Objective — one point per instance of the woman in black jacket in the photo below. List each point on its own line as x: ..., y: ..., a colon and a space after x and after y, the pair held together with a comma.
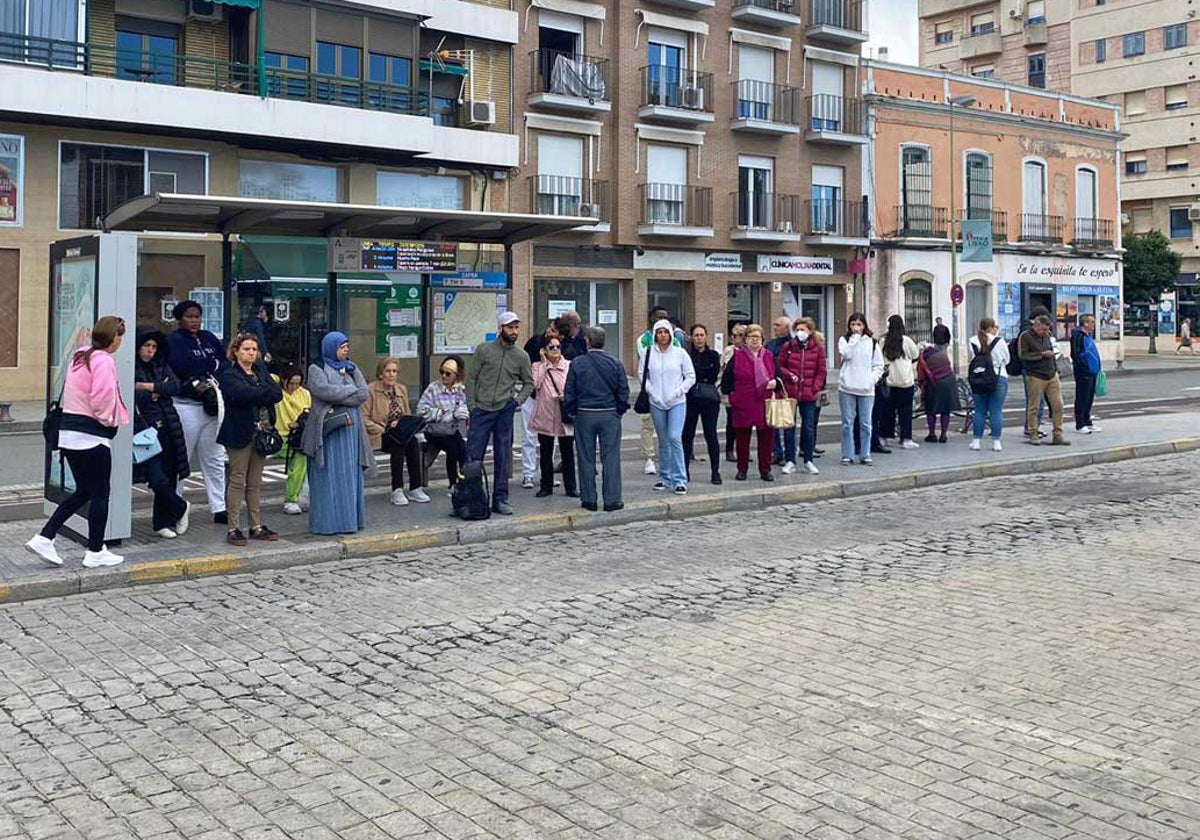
x: 154, y: 386
x: 250, y: 396
x: 703, y: 401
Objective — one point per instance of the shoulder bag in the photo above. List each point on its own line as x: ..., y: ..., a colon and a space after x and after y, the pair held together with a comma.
x: 267, y: 440
x: 642, y: 404
x: 338, y: 417
x: 568, y: 425
x: 781, y: 411
x: 146, y: 445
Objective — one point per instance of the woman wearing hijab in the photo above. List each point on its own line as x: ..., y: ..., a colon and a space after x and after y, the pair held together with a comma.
x: 749, y: 379
x: 154, y: 387
x: 336, y: 440
x: 197, y: 357
x: 669, y: 376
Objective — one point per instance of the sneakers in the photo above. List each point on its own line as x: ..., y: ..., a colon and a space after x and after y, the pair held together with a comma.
x: 262, y: 532
x: 103, y: 557
x: 44, y: 548
x: 649, y: 470
x: 789, y: 468
x: 659, y: 485
x: 867, y: 462
x: 847, y: 462
x: 236, y: 537
x: 400, y: 500
x: 419, y: 495
x: 909, y: 444
x: 811, y: 468
x: 181, y: 527
x: 166, y: 533
x: 1095, y: 428
x: 527, y: 482
x: 1086, y: 430
x: 975, y: 445
x: 292, y: 509
x: 680, y: 490
x: 996, y: 447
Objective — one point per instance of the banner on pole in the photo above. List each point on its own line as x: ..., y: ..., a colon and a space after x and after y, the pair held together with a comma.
x: 977, y: 240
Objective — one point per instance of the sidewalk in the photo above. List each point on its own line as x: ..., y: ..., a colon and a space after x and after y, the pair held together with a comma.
x: 203, y: 550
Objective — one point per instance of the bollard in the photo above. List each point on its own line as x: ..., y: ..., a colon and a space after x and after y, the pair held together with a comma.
x: 6, y: 412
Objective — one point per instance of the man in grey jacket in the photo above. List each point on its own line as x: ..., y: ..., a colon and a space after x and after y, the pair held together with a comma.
x: 499, y: 380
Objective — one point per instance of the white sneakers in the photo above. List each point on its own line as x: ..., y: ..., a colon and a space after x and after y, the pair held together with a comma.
x: 649, y: 470
x: 527, y: 482
x: 419, y: 495
x: 398, y: 497
x: 909, y: 444
x: 45, y: 549
x: 181, y: 527
x: 996, y: 447
x: 166, y: 533
x: 292, y: 509
x: 789, y: 468
x: 1094, y: 428
x: 103, y: 557
x: 975, y: 444
x: 811, y: 468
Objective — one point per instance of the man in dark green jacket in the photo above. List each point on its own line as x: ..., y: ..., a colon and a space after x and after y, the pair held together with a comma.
x: 500, y: 379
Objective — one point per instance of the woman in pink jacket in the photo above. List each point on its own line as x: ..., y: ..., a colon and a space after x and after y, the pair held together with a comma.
x: 549, y: 383
x: 92, y: 413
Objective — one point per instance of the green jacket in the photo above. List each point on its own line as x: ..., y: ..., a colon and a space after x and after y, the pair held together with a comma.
x: 498, y: 373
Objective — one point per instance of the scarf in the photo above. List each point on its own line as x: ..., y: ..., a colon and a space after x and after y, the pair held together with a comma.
x: 329, y: 347
x: 761, y: 377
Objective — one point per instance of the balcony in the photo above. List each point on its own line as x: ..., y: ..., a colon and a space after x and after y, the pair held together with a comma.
x: 836, y: 121
x: 559, y: 195
x: 765, y: 108
x: 1036, y: 33
x: 771, y: 13
x: 999, y: 219
x: 675, y: 210
x: 921, y: 220
x: 1040, y: 228
x: 838, y: 22
x: 565, y: 82
x: 672, y: 94
x: 1093, y: 234
x: 983, y: 42
x: 831, y: 222
x: 766, y: 217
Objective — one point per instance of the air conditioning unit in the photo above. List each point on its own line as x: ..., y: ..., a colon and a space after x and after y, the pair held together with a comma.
x: 785, y: 227
x: 591, y: 211
x: 692, y: 97
x: 203, y: 10
x: 1194, y: 213
x: 481, y: 112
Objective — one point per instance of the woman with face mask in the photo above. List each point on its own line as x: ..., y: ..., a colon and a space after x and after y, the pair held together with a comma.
x: 989, y: 408
x: 803, y: 368
x: 862, y: 366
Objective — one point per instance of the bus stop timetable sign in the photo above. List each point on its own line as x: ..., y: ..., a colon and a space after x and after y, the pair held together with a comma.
x: 366, y: 255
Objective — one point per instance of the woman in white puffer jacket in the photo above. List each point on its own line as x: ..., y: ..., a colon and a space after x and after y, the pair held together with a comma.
x: 669, y: 375
x: 862, y: 367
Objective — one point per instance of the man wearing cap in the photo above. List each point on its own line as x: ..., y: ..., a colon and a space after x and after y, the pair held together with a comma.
x: 499, y: 380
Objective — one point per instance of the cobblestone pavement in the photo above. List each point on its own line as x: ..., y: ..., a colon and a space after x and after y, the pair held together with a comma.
x: 1013, y: 658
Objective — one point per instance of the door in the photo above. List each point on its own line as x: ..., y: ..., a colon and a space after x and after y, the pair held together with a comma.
x: 812, y: 302
x: 756, y: 75
x: 560, y: 174
x: 666, y: 179
x: 667, y: 54
x: 828, y: 82
x: 1034, y: 223
x: 559, y: 37
x: 1085, y: 205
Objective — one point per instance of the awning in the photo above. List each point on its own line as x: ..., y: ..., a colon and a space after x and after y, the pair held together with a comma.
x: 268, y: 217
x: 444, y: 69
x: 672, y: 22
x: 245, y: 4
x: 595, y: 11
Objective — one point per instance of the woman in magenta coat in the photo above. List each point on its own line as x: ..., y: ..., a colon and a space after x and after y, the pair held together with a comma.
x: 749, y: 379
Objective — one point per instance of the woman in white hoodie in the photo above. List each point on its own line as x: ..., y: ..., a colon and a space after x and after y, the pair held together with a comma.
x: 862, y: 366
x: 669, y: 376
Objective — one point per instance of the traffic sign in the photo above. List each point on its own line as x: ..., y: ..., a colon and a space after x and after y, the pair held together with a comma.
x: 956, y: 294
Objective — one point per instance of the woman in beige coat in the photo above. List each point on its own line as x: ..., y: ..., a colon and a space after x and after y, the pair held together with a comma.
x: 387, y: 402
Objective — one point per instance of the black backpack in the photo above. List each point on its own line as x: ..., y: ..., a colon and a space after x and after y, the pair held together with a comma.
x: 981, y: 373
x: 1015, y: 366
x: 470, y: 498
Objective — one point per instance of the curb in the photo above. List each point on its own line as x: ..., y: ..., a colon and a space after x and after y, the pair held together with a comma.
x: 76, y: 582
x: 20, y: 427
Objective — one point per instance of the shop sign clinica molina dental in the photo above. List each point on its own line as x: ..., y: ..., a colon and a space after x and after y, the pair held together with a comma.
x: 785, y: 264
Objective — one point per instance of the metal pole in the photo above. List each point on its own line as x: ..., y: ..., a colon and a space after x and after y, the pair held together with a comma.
x: 331, y: 318
x: 227, y: 285
x: 953, y: 243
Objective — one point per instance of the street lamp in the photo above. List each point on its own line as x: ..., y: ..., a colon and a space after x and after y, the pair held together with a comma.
x: 962, y: 102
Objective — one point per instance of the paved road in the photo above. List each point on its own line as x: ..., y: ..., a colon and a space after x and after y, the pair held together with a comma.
x: 1019, y: 664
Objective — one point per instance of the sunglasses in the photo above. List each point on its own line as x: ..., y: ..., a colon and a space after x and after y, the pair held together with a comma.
x: 448, y: 373
x: 553, y: 346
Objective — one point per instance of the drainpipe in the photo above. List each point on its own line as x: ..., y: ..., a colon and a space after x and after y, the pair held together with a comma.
x: 260, y: 51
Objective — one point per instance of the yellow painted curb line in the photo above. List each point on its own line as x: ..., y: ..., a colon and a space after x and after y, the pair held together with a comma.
x: 402, y: 541
x: 5, y: 591
x: 157, y: 570
x: 218, y: 564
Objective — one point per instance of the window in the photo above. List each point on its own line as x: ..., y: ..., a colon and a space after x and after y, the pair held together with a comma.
x: 1177, y: 158
x: 1034, y: 222
x: 756, y: 75
x: 560, y: 174
x: 1036, y: 70
x: 146, y: 50
x: 339, y: 61
x: 287, y: 75
x: 1101, y: 51
x: 983, y: 71
x: 1135, y: 102
x: 943, y: 33
x: 1136, y: 166
x: 391, y: 78
x: 1133, y: 44
x: 755, y: 209
x: 47, y: 32
x: 94, y: 180
x: 288, y: 181
x: 828, y: 82
x: 412, y: 189
x: 827, y: 199
x: 918, y: 308
x: 667, y: 61
x: 1181, y: 227
x: 916, y: 191
x: 1087, y: 200
x: 1175, y: 36
x: 666, y: 184
x: 979, y: 186
x: 1175, y: 97
x: 1035, y: 12
x: 983, y: 23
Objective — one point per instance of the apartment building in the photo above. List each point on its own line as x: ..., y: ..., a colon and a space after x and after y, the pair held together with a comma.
x: 1038, y: 168
x: 381, y: 102
x: 1136, y: 54
x: 719, y: 145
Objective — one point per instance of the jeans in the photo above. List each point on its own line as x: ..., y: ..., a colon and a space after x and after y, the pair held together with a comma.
x: 92, y: 469
x: 604, y: 426
x: 668, y: 425
x: 990, y: 408
x: 808, y: 431
x: 398, y: 457
x: 566, y: 451
x: 1085, y: 395
x: 706, y: 414
x: 496, y: 426
x: 852, y: 405
x: 245, y: 482
x: 1051, y: 391
x: 168, y: 505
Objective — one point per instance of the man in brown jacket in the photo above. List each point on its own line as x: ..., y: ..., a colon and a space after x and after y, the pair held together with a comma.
x: 1037, y: 353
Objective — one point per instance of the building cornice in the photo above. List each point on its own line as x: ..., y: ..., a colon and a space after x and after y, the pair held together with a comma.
x: 943, y: 109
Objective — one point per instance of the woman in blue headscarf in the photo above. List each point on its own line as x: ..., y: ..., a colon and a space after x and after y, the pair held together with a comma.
x: 335, y: 440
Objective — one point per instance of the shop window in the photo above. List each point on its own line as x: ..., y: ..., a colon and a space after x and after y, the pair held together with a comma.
x: 94, y: 180
x: 288, y: 181
x: 412, y: 189
x: 918, y: 309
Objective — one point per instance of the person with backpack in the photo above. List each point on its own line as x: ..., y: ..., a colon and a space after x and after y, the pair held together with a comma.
x: 1085, y: 365
x: 1041, y: 378
x: 862, y: 368
x: 987, y: 374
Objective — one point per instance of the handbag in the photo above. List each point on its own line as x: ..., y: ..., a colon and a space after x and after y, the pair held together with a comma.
x: 1101, y: 384
x: 146, y: 445
x: 781, y: 412
x: 267, y: 440
x: 642, y: 404
x: 295, y: 439
x: 441, y: 429
x: 398, y: 436
x: 706, y: 392
x: 336, y: 418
